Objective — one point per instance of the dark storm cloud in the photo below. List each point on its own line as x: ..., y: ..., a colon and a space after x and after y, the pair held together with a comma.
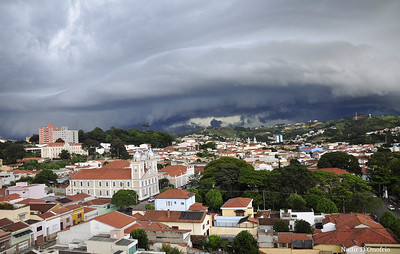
x: 94, y: 63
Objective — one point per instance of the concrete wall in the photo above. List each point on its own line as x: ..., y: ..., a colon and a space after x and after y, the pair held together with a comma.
x: 231, y: 231
x: 175, y: 204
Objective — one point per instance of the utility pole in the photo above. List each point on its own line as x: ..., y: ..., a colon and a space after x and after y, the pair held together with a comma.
x: 264, y: 198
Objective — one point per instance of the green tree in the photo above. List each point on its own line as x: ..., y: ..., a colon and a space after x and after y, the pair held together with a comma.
x: 198, y: 197
x: 325, y: 205
x: 313, y: 196
x: 13, y: 152
x: 141, y: 236
x: 364, y: 202
x: 118, y: 149
x: 65, y: 155
x: 214, y: 199
x: 227, y: 179
x: 281, y: 226
x: 34, y: 139
x: 46, y: 176
x: 149, y: 207
x: 295, y: 201
x: 244, y: 243
x: 340, y: 160
x: 302, y: 226
x: 214, y: 242
x: 124, y: 198
x: 387, y: 219
x: 162, y: 183
x: 169, y: 250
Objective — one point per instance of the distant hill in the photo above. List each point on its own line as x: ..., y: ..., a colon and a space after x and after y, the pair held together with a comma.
x: 350, y: 129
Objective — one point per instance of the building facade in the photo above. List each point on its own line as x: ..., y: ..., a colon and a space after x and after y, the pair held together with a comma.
x: 53, y: 150
x: 51, y: 133
x: 139, y: 174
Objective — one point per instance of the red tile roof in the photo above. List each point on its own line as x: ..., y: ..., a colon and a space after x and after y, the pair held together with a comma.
x: 5, y: 221
x: 88, y: 209
x: 114, y: 170
x: 175, y: 194
x: 65, y: 209
x: 46, y: 215
x: 145, y: 225
x: 31, y: 201
x: 115, y: 219
x: 97, y: 201
x: 10, y: 197
x: 237, y: 202
x: 15, y: 226
x: 43, y: 208
x: 173, y: 170
x: 356, y: 236
x: 351, y: 220
x: 198, y: 207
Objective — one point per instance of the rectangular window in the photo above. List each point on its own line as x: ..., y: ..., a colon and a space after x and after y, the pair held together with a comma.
x: 88, y: 192
x: 81, y: 183
x: 39, y: 229
x: 100, y: 193
x: 121, y: 184
x: 74, y: 183
x: 88, y: 183
x: 67, y: 220
x: 99, y: 183
x: 21, y: 216
x: 113, y: 184
x: 106, y: 184
x: 127, y: 184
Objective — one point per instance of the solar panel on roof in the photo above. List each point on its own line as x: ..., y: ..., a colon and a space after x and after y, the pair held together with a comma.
x: 64, y: 200
x: 191, y: 216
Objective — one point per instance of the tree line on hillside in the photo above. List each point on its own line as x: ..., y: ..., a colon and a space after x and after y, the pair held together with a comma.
x: 293, y: 186
x: 119, y: 137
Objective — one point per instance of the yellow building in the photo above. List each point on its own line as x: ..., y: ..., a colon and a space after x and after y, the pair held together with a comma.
x: 238, y: 207
x: 17, y: 214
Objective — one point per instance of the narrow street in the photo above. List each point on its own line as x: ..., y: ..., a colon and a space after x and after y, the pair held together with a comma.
x: 385, y: 209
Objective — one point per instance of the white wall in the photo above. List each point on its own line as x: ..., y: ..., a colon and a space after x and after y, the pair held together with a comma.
x: 176, y: 204
x: 82, y: 232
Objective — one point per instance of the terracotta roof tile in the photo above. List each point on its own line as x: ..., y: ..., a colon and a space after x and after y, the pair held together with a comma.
x: 43, y: 208
x: 88, y: 209
x: 97, y: 201
x: 145, y: 225
x: 356, y: 236
x: 10, y: 197
x: 15, y: 226
x: 114, y: 170
x: 31, y: 201
x: 175, y: 194
x: 5, y: 221
x: 65, y: 209
x: 198, y: 207
x: 116, y: 219
x: 46, y: 215
x: 237, y: 202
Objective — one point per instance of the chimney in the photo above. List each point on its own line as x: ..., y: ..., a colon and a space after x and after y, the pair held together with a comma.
x: 168, y: 213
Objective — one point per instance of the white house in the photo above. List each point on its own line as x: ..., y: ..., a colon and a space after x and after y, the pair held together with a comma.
x: 175, y: 200
x: 178, y: 175
x: 53, y: 150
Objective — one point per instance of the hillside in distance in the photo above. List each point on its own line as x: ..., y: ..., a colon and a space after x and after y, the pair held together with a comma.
x: 362, y: 129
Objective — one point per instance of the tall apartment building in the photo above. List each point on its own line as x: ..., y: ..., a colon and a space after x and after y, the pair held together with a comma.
x: 50, y: 134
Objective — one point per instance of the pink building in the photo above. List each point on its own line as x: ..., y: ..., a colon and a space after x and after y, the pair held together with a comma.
x: 28, y: 191
x: 46, y: 134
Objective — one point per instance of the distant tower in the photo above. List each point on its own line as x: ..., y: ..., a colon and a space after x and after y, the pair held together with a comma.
x: 255, y: 140
x: 356, y: 116
x: 279, y: 138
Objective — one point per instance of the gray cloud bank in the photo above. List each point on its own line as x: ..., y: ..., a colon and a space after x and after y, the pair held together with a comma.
x: 95, y: 63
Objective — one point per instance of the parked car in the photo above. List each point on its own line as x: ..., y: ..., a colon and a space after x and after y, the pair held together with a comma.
x: 151, y: 199
x: 374, y: 216
x: 391, y: 207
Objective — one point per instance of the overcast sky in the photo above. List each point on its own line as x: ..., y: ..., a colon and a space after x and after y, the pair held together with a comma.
x: 84, y: 64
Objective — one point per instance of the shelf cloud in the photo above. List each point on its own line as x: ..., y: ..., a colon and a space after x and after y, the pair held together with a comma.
x: 185, y: 64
